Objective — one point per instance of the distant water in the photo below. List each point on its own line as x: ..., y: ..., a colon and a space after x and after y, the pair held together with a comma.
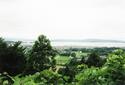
x: 82, y: 44
x: 89, y: 44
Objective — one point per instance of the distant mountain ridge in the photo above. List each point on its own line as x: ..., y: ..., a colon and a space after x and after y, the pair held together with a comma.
x: 69, y: 40
x: 89, y: 40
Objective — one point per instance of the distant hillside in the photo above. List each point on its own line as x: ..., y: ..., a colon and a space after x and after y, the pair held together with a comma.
x: 74, y: 43
x: 68, y: 40
x: 89, y: 40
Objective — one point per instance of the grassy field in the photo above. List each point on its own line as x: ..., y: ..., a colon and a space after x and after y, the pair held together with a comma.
x: 79, y: 54
x: 62, y: 60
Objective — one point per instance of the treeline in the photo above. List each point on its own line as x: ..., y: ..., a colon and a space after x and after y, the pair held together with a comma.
x: 100, y: 50
x: 37, y: 66
x: 15, y: 59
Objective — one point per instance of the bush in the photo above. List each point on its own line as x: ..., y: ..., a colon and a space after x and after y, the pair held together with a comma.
x: 111, y: 73
x: 45, y: 77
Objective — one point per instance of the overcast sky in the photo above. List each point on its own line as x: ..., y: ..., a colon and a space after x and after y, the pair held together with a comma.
x: 63, y: 19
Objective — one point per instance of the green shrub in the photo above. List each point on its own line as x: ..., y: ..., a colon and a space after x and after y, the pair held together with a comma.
x: 111, y: 73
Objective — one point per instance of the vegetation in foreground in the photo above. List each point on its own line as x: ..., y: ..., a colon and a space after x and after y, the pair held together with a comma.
x: 44, y: 65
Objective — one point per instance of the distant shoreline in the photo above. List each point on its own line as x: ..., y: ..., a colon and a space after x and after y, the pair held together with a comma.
x: 87, y: 43
x: 69, y: 40
x: 67, y: 47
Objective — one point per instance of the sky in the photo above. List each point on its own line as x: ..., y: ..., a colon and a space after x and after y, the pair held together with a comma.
x: 63, y: 19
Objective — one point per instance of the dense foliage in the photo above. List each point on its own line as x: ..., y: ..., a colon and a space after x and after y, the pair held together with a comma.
x: 12, y: 57
x: 41, y: 65
x: 41, y: 54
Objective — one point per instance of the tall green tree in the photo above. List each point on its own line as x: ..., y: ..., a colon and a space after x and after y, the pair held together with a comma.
x: 41, y: 54
x: 94, y: 60
x: 15, y: 60
x: 12, y: 57
x: 3, y: 50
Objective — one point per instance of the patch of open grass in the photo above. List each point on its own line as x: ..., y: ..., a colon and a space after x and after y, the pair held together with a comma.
x: 62, y: 60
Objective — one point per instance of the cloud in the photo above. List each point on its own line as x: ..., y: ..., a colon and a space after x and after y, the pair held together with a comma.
x: 63, y: 18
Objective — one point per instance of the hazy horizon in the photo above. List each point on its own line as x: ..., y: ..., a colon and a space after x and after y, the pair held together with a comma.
x: 63, y: 19
x: 67, y: 40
